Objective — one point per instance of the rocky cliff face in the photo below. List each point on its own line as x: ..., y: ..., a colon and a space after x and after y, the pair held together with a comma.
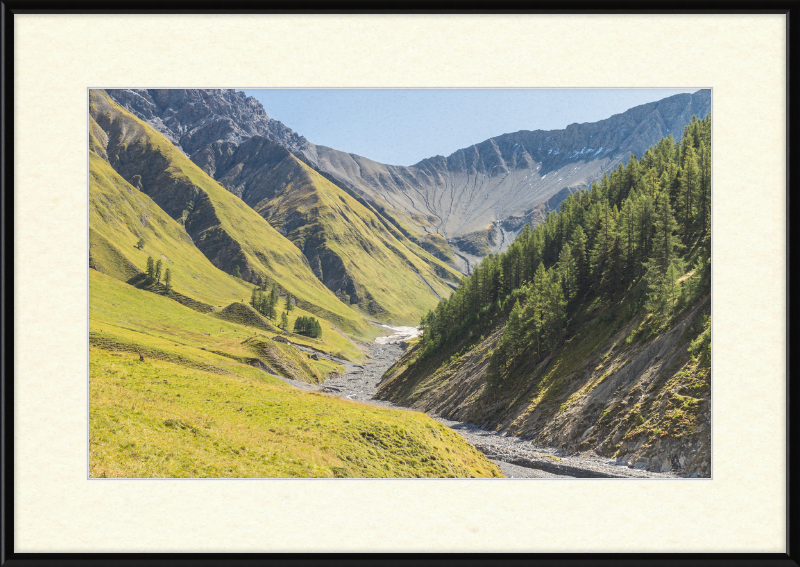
x: 193, y: 118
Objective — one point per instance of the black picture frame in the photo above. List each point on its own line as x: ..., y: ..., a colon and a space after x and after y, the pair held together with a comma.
x: 9, y: 557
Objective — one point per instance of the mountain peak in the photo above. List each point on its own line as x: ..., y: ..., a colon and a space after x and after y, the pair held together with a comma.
x: 194, y: 118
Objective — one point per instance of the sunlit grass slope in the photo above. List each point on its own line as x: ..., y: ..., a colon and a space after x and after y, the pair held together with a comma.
x: 160, y: 419
x: 119, y: 313
x: 120, y: 214
x: 225, y: 229
x: 200, y: 406
x: 402, y: 279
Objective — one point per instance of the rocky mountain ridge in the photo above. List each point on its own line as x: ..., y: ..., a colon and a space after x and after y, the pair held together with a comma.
x: 499, y: 184
x: 193, y: 118
x: 509, y: 175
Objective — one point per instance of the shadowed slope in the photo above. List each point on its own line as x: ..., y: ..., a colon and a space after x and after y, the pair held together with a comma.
x: 351, y: 248
x: 228, y: 232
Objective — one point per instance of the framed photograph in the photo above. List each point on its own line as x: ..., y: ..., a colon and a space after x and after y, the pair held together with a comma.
x: 396, y: 283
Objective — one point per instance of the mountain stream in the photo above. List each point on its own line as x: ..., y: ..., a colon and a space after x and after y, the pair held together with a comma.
x: 516, y: 457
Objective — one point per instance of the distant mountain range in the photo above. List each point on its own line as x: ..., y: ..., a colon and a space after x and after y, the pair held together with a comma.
x: 459, y: 208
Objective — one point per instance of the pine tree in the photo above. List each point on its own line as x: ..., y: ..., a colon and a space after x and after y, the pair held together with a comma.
x: 263, y: 304
x: 535, y: 316
x: 689, y: 186
x: 556, y: 311
x: 664, y: 289
x: 579, y: 246
x: 140, y: 243
x: 168, y: 279
x: 254, y: 298
x: 237, y: 272
x: 664, y: 239
x: 151, y: 268
x: 613, y: 274
x: 568, y: 271
x: 512, y: 335
x: 158, y: 270
x: 704, y: 194
x: 629, y: 237
x: 603, y: 243
x: 273, y: 302
x: 289, y: 305
x: 284, y: 321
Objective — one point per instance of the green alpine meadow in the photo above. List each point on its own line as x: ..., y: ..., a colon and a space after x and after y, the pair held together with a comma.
x: 536, y: 305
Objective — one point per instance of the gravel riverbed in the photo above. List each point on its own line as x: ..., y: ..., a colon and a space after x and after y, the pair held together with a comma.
x: 516, y: 457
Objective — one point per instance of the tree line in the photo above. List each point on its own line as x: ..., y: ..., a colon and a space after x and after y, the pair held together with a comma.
x: 154, y: 271
x: 267, y: 305
x: 635, y: 229
x: 308, y: 326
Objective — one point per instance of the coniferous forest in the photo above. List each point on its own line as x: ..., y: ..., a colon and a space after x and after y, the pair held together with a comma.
x: 643, y: 232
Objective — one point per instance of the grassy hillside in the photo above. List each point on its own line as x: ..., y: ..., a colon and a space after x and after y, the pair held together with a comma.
x: 352, y: 248
x: 160, y: 419
x: 352, y: 251
x: 185, y: 382
x: 223, y: 228
x: 201, y: 404
x: 120, y: 214
x: 122, y: 313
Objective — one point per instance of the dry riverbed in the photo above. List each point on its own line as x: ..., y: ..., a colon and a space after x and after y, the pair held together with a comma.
x: 516, y: 457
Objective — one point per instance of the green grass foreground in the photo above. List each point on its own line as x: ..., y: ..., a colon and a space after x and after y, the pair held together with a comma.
x: 158, y: 419
x: 198, y: 407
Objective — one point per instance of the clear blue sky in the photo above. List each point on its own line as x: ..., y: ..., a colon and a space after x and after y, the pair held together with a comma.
x: 404, y: 126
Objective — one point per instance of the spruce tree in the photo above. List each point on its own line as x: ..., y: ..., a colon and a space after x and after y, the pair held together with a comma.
x: 556, y: 311
x: 289, y: 305
x: 151, y: 268
x: 168, y: 279
x: 579, y: 245
x: 603, y: 242
x: 512, y: 335
x: 237, y: 272
x: 614, y: 272
x: 568, y: 271
x: 664, y: 239
x: 158, y: 270
x: 273, y: 302
x: 689, y: 186
x: 284, y: 321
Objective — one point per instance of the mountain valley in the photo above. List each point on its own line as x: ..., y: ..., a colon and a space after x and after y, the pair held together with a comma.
x: 254, y: 297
